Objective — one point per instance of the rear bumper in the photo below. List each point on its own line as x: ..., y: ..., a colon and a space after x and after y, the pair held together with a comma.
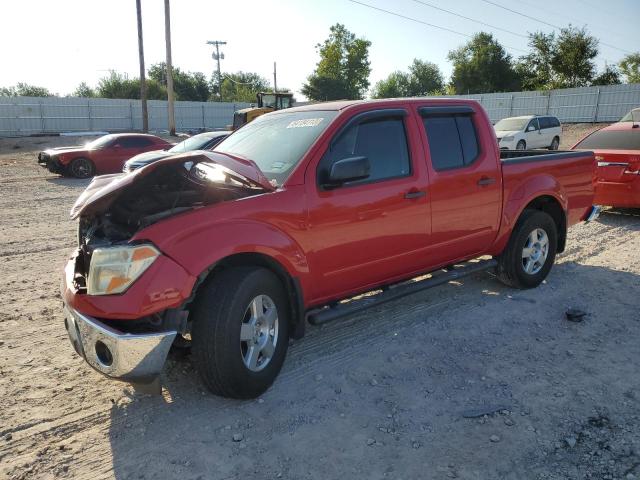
x: 593, y: 213
x: 136, y: 358
x: 618, y: 194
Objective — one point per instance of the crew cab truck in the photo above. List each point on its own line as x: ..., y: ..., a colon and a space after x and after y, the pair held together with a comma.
x: 233, y: 250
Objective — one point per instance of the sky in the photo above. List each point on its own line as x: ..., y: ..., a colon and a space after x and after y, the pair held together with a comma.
x: 58, y: 44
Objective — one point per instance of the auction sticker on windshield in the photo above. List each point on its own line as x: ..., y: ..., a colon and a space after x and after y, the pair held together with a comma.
x: 305, y: 122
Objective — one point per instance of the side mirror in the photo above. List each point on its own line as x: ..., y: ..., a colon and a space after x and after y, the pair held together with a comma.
x: 117, y: 145
x: 348, y: 170
x: 530, y: 128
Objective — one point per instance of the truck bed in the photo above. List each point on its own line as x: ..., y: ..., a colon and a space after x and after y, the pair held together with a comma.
x: 525, y: 156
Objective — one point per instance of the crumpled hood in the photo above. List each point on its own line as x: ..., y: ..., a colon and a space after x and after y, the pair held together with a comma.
x: 104, y: 189
x: 506, y: 133
x: 148, y: 157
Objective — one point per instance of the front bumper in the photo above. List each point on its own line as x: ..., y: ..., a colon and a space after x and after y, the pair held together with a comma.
x: 52, y: 164
x: 136, y: 358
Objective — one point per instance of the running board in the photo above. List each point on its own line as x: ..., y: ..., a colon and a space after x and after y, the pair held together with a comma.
x: 328, y: 314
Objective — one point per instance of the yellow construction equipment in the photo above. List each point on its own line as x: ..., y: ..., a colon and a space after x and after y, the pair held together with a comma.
x: 267, y: 102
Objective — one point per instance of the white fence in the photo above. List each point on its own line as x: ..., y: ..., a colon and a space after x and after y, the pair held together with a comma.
x: 570, y: 105
x: 20, y: 116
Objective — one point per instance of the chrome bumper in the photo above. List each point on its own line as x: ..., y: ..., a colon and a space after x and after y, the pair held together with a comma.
x: 594, y: 213
x: 136, y: 358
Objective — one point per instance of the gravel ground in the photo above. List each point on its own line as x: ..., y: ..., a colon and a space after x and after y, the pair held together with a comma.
x: 470, y: 380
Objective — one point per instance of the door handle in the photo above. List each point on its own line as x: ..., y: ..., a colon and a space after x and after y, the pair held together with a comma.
x: 414, y: 194
x: 484, y: 181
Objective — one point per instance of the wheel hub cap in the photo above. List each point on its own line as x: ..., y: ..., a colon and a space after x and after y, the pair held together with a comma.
x: 535, y: 251
x: 259, y: 333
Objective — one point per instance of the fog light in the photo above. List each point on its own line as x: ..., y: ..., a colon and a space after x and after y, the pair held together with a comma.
x: 104, y: 354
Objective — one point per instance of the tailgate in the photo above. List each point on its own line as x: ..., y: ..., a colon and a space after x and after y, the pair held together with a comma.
x: 617, y: 166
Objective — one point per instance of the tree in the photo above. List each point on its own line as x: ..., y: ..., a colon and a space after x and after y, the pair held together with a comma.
x: 240, y: 87
x: 559, y: 61
x: 116, y: 85
x: 25, y: 90
x: 394, y: 86
x: 630, y: 67
x: 188, y: 86
x: 610, y: 76
x: 84, y: 90
x: 344, y: 67
x: 424, y: 78
x: 482, y: 66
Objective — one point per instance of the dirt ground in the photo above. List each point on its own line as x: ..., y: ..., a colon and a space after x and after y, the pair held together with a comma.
x: 470, y: 380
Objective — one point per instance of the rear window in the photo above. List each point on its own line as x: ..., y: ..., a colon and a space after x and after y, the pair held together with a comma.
x: 452, y: 141
x: 612, y: 140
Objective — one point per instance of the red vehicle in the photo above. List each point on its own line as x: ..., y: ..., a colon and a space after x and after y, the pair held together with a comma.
x: 235, y: 249
x: 617, y: 151
x: 106, y: 154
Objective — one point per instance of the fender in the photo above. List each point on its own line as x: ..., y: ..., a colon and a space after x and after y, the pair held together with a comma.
x: 518, y: 197
x: 205, y: 244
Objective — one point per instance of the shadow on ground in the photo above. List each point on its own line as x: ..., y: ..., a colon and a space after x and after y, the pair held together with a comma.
x: 370, y: 398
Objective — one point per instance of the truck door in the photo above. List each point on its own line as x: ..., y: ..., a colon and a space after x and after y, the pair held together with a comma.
x: 465, y: 181
x: 369, y: 231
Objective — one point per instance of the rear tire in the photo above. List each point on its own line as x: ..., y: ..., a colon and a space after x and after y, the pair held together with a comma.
x: 522, y: 145
x: 555, y: 144
x: 82, y: 168
x: 240, y: 331
x: 531, y: 251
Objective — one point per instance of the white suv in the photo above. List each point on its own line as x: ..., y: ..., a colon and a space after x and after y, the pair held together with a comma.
x: 529, y: 131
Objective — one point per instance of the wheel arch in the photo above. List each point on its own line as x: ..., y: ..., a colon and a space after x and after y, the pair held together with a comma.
x: 290, y: 283
x: 551, y: 206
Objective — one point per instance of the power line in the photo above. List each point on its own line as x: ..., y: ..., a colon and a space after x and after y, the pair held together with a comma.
x: 425, y: 23
x: 545, y: 23
x: 470, y: 19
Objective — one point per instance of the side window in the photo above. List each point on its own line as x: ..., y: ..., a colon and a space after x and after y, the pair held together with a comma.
x: 383, y: 141
x: 545, y: 122
x: 453, y: 142
x: 554, y: 122
x: 534, y: 123
x: 134, y: 142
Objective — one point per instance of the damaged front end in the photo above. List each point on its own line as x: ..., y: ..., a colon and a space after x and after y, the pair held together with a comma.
x: 125, y: 302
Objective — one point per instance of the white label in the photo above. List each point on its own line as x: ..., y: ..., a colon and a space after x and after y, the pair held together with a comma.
x: 307, y: 122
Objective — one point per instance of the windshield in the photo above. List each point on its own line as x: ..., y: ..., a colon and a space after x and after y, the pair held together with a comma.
x: 612, y: 140
x: 100, y: 142
x: 197, y: 142
x: 632, y: 116
x: 277, y: 142
x: 511, y: 124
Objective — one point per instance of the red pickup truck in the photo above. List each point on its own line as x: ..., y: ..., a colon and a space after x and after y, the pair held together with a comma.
x: 233, y: 251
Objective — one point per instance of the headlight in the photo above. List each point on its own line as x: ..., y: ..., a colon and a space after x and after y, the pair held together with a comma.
x: 507, y: 139
x: 114, y: 269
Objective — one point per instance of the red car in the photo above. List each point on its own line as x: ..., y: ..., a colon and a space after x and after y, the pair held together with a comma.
x: 617, y: 151
x: 236, y: 249
x: 106, y: 154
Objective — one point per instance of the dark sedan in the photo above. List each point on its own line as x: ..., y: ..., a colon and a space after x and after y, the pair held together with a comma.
x: 202, y: 141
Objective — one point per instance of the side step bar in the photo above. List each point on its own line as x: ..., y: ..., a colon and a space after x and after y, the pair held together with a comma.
x: 328, y: 314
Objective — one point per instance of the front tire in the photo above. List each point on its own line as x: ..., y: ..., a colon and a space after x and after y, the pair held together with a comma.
x: 240, y: 331
x: 82, y: 168
x: 522, y: 145
x: 531, y: 251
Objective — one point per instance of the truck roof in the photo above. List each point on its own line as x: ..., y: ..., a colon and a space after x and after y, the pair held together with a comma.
x: 343, y: 104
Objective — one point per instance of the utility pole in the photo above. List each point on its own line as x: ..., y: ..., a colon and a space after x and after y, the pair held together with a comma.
x: 275, y: 81
x: 143, y: 81
x: 218, y: 56
x: 167, y: 36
